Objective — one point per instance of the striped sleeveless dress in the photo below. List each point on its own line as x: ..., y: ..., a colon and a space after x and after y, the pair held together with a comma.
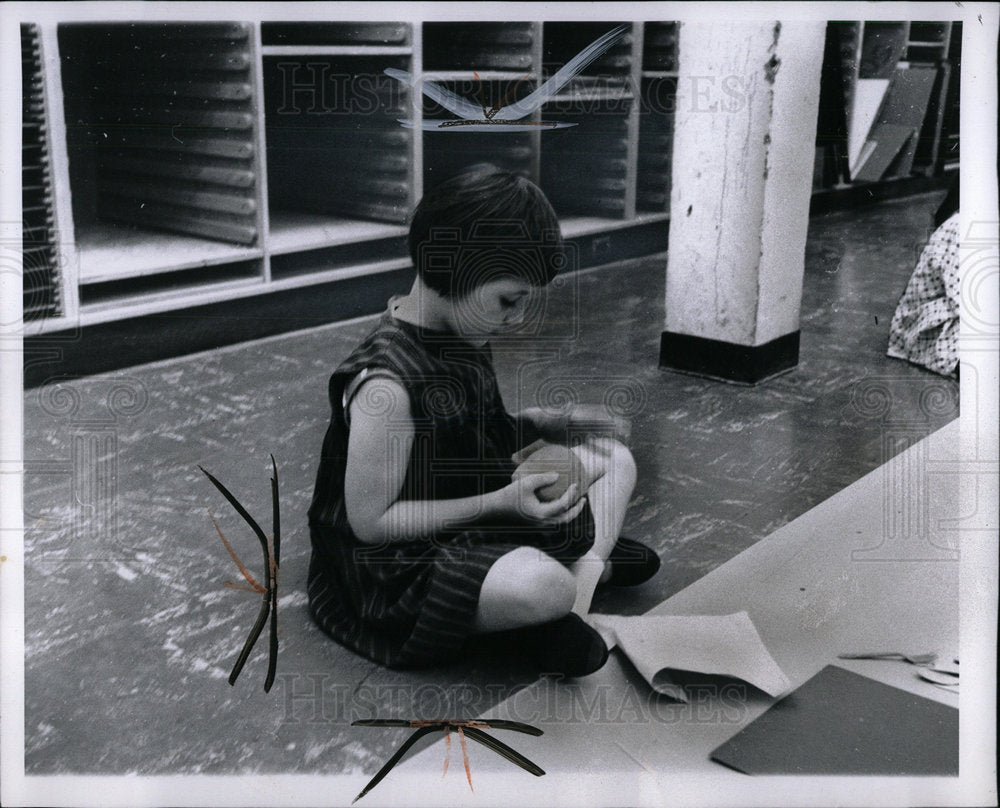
x: 410, y: 604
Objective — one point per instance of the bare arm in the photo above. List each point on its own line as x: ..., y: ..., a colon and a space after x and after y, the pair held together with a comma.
x: 378, y: 453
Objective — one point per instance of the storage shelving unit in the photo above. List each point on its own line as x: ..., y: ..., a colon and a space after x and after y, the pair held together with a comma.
x: 656, y: 116
x: 171, y: 165
x: 41, y: 272
x: 589, y: 169
x: 923, y: 45
x: 870, y: 56
x: 161, y: 138
x: 506, y: 59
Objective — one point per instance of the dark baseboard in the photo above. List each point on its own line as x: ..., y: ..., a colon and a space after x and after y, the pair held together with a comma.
x: 106, y: 347
x: 726, y: 361
x: 608, y: 246
x: 862, y: 194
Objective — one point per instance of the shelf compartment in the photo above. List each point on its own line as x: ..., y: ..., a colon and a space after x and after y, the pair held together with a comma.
x: 165, y: 127
x: 110, y: 251
x: 923, y: 52
x: 335, y: 50
x: 584, y: 94
x: 293, y: 231
x: 925, y: 158
x: 335, y: 33
x: 948, y: 153
x: 40, y: 277
x: 376, y: 251
x: 564, y: 40
x: 848, y: 36
x: 479, y: 46
x: 186, y: 35
x: 584, y: 170
x: 447, y: 152
x: 659, y: 46
x: 928, y: 41
x: 579, y: 226
x: 133, y: 292
x: 883, y: 44
x: 334, y: 145
x: 656, y: 130
x: 604, y: 92
x: 598, y: 114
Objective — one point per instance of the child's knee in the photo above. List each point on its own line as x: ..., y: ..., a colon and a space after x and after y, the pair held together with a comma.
x: 607, y: 456
x: 623, y: 462
x: 545, y: 589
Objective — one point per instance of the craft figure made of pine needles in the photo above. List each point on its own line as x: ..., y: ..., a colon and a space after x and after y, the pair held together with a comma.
x: 499, y: 118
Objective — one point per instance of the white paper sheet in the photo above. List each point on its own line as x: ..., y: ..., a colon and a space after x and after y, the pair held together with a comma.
x: 724, y: 645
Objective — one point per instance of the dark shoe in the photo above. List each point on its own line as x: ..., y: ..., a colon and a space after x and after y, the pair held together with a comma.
x: 568, y: 646
x: 632, y: 563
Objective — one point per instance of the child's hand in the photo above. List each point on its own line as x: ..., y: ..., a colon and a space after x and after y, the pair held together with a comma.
x: 523, y: 454
x: 520, y: 501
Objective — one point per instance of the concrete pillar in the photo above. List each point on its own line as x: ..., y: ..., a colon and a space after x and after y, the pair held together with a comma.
x: 743, y: 155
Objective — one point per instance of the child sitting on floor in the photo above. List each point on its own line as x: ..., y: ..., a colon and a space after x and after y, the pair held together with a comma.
x: 421, y: 537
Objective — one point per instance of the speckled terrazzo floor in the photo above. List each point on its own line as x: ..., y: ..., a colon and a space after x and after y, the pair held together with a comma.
x: 130, y: 633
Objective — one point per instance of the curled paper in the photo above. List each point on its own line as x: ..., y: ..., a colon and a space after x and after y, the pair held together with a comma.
x: 721, y: 645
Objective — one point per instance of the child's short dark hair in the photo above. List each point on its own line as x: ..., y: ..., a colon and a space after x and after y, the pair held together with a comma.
x: 482, y: 224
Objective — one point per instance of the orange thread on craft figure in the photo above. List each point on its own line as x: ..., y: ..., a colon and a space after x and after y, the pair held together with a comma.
x: 488, y: 114
x: 271, y: 547
x: 466, y: 729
